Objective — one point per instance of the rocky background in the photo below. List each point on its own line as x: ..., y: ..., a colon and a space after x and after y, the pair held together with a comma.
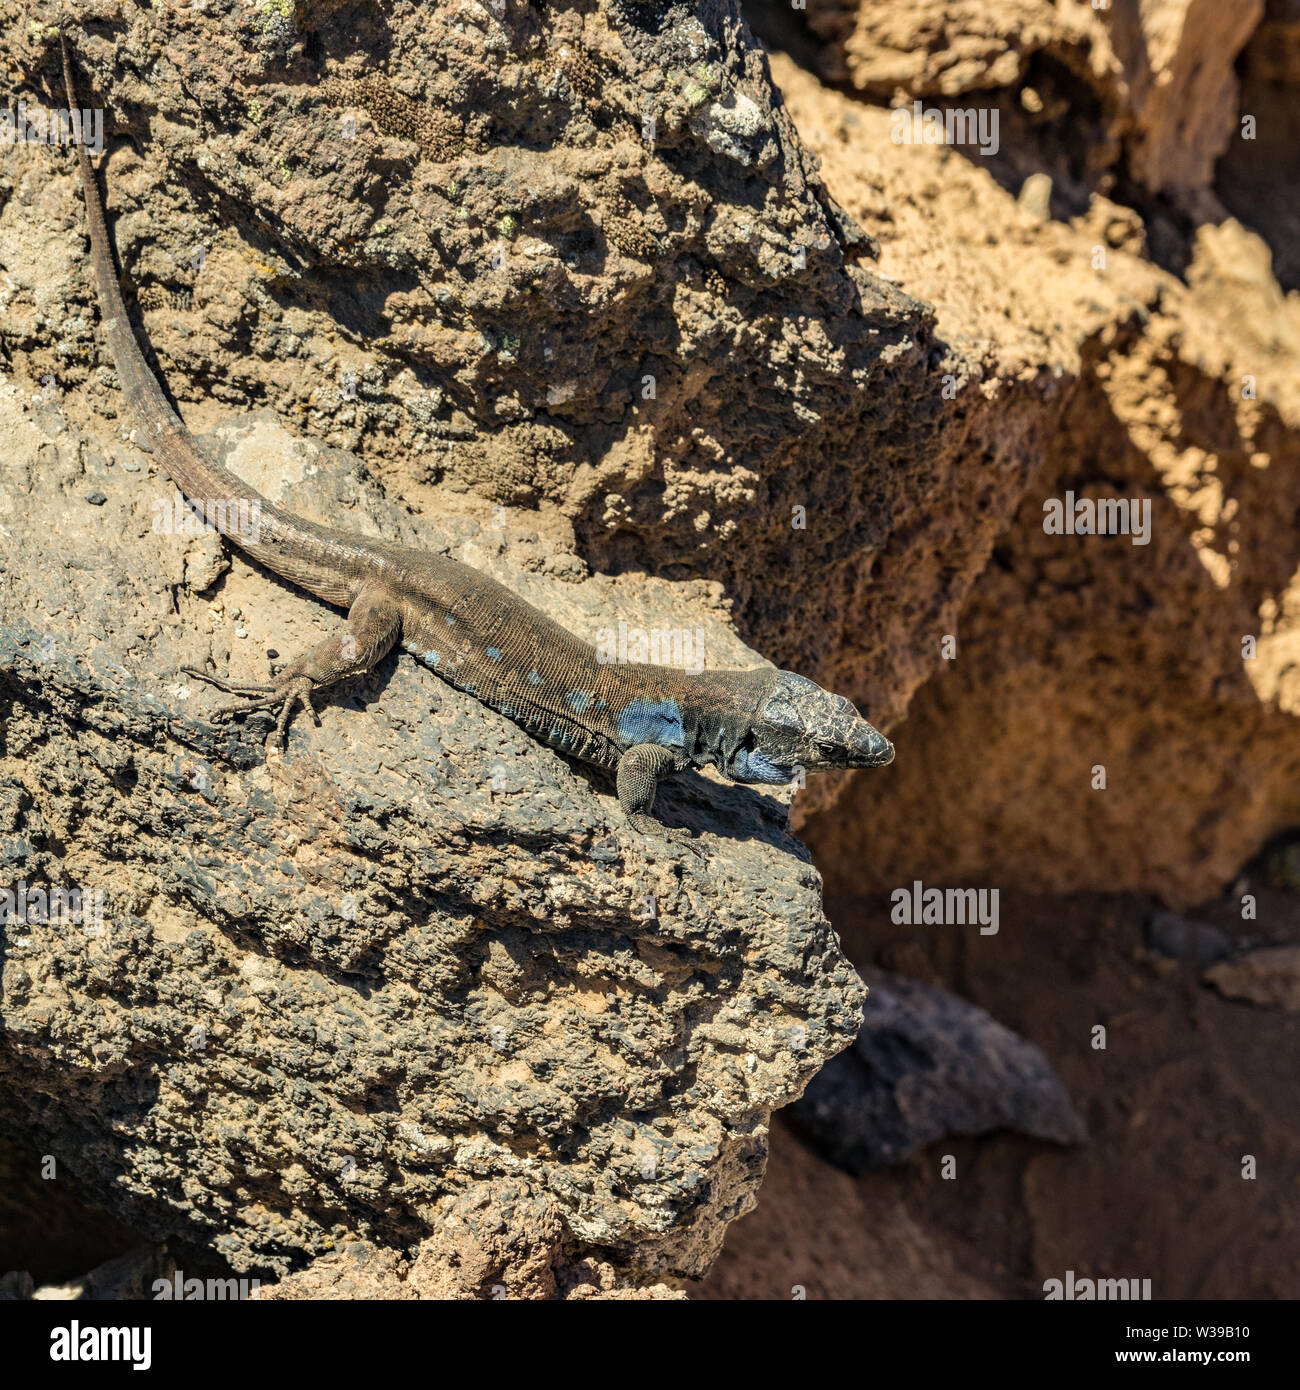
x: 646, y: 311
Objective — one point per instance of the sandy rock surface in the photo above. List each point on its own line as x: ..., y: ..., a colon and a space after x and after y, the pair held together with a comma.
x: 1073, y: 652
x: 1159, y: 75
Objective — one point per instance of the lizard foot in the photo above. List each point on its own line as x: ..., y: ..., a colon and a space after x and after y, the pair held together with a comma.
x: 284, y: 695
x: 678, y: 835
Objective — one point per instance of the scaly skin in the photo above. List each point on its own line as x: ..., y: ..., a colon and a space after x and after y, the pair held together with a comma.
x: 642, y: 721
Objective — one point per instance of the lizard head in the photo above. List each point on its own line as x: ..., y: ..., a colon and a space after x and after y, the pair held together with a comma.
x: 800, y: 725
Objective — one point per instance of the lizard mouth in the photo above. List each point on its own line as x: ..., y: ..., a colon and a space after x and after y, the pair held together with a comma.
x: 868, y: 747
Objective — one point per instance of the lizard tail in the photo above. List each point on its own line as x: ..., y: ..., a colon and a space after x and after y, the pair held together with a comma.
x: 296, y: 549
x: 143, y: 394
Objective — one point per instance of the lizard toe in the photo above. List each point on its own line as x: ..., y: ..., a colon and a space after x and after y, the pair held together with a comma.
x: 229, y: 687
x: 249, y: 703
x: 677, y: 835
x: 296, y: 694
x: 683, y: 837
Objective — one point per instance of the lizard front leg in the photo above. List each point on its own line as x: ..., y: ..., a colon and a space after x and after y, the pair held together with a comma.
x: 640, y: 770
x: 374, y: 622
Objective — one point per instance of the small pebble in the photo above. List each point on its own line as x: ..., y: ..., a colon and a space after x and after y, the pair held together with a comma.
x: 1036, y: 196
x: 1178, y: 937
x: 96, y: 499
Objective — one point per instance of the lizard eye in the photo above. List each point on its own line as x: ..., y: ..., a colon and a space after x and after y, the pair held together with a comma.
x: 825, y: 746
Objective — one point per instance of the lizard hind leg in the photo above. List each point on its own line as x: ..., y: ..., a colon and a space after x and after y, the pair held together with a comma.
x: 374, y: 623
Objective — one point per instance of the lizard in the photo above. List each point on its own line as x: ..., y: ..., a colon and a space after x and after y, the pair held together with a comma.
x: 642, y: 722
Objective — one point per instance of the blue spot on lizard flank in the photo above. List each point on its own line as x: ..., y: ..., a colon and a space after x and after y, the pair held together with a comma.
x: 451, y: 622
x: 432, y: 658
x: 652, y: 721
x: 534, y: 678
x: 579, y: 701
x: 494, y: 653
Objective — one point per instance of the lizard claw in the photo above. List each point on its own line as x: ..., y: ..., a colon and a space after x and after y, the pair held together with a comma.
x: 296, y: 693
x: 678, y: 835
x: 683, y: 837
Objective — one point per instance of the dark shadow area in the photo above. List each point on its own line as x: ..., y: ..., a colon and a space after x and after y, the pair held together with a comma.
x: 1258, y: 179
x: 47, y: 1227
x: 1189, y: 1084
